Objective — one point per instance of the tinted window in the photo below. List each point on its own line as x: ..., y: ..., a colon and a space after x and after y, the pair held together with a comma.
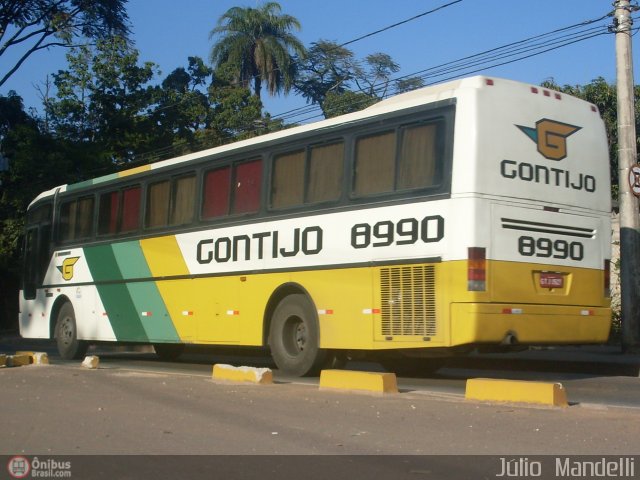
x: 108, y: 213
x: 287, y: 182
x: 325, y: 173
x: 418, y: 157
x: 158, y: 196
x: 184, y: 197
x: 246, y: 188
x: 76, y: 219
x: 217, y: 186
x: 375, y: 164
x: 130, y: 217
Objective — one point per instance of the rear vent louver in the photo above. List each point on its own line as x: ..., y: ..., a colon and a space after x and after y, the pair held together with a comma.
x: 408, y: 301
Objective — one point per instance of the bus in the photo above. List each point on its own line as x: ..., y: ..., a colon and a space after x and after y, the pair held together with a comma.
x: 469, y: 215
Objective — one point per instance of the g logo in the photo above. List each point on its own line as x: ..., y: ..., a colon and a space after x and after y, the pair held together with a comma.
x: 66, y: 269
x: 551, y: 137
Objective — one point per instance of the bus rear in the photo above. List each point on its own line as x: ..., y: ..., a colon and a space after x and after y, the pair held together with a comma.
x: 531, y: 182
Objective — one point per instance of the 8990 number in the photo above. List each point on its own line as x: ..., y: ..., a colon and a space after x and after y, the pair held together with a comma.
x: 405, y: 232
x: 547, y: 248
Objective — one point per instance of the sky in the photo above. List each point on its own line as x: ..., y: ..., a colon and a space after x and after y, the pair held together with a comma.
x: 167, y: 32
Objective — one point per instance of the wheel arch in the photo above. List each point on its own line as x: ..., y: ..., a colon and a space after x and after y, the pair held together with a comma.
x: 57, y: 305
x: 277, y: 296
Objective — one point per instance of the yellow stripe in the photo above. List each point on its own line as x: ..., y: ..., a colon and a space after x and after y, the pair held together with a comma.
x: 165, y: 259
x: 133, y: 171
x: 164, y: 256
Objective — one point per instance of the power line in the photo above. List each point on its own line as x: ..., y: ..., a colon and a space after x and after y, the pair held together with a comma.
x: 521, y: 49
x: 495, y: 57
x: 371, y: 34
x: 399, y: 23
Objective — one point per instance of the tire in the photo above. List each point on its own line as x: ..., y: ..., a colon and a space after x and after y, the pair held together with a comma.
x: 169, y: 351
x: 66, y: 334
x: 294, y: 337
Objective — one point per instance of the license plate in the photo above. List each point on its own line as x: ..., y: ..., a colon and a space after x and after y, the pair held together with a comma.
x: 551, y: 280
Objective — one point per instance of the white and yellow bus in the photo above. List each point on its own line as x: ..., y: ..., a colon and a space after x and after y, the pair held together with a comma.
x: 465, y: 215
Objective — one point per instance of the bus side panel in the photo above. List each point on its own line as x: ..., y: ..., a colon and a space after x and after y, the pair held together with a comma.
x: 33, y: 315
x: 345, y: 305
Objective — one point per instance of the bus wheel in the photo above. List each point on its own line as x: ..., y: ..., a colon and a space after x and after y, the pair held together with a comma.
x: 66, y: 333
x: 294, y: 337
x: 169, y: 351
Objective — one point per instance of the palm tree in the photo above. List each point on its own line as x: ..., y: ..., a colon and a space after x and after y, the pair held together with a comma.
x: 257, y: 44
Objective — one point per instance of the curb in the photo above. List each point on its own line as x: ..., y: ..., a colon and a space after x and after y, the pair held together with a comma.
x: 229, y: 373
x: 516, y: 391
x: 360, y: 381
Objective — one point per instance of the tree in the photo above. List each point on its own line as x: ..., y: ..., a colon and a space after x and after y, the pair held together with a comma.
x: 375, y: 78
x: 37, y: 161
x: 257, y: 43
x: 182, y: 106
x: 327, y: 67
x: 104, y: 98
x: 33, y: 25
x: 330, y: 76
x: 336, y: 103
x: 604, y: 96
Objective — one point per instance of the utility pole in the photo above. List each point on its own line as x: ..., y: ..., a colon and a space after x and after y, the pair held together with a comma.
x: 627, y: 158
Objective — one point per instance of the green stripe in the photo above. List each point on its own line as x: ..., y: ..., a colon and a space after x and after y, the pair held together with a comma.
x: 89, y: 183
x: 116, y: 298
x: 145, y: 295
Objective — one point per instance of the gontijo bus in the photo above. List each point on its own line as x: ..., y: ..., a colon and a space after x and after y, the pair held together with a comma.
x: 469, y: 214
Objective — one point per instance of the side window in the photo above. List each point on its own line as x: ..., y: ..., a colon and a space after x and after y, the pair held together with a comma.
x: 375, y: 164
x: 404, y: 159
x: 325, y: 172
x: 84, y: 223
x: 184, y: 197
x: 307, y: 176
x: 418, y: 157
x: 130, y: 216
x: 108, y: 213
x: 41, y: 214
x: 157, y: 212
x: 287, y: 182
x: 217, y: 187
x: 246, y: 188
x: 68, y: 220
x: 76, y: 219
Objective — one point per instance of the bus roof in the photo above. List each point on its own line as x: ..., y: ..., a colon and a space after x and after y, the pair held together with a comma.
x: 422, y: 96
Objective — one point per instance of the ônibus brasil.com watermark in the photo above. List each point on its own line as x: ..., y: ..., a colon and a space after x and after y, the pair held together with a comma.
x: 23, y: 467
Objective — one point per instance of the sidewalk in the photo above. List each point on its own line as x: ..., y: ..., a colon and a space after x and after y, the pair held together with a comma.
x: 590, y: 359
x: 597, y: 359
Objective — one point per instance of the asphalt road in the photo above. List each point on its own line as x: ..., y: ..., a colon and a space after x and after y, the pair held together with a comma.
x: 137, y: 405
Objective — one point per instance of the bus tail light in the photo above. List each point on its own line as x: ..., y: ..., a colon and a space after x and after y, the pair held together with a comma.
x: 607, y: 278
x: 477, y: 269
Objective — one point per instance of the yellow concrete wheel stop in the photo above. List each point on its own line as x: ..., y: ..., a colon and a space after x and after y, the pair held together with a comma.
x: 229, y: 373
x: 359, y: 381
x: 516, y: 391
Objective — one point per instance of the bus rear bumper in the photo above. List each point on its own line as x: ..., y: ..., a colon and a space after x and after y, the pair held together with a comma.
x: 528, y: 324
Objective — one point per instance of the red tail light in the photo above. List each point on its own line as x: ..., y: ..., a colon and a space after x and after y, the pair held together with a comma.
x: 607, y: 278
x: 477, y: 269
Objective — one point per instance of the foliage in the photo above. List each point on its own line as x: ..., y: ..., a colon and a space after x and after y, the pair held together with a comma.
x: 102, y: 99
x: 336, y: 103
x: 604, y: 96
x: 182, y: 107
x: 257, y: 44
x: 33, y: 25
x: 331, y: 77
x: 326, y: 68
